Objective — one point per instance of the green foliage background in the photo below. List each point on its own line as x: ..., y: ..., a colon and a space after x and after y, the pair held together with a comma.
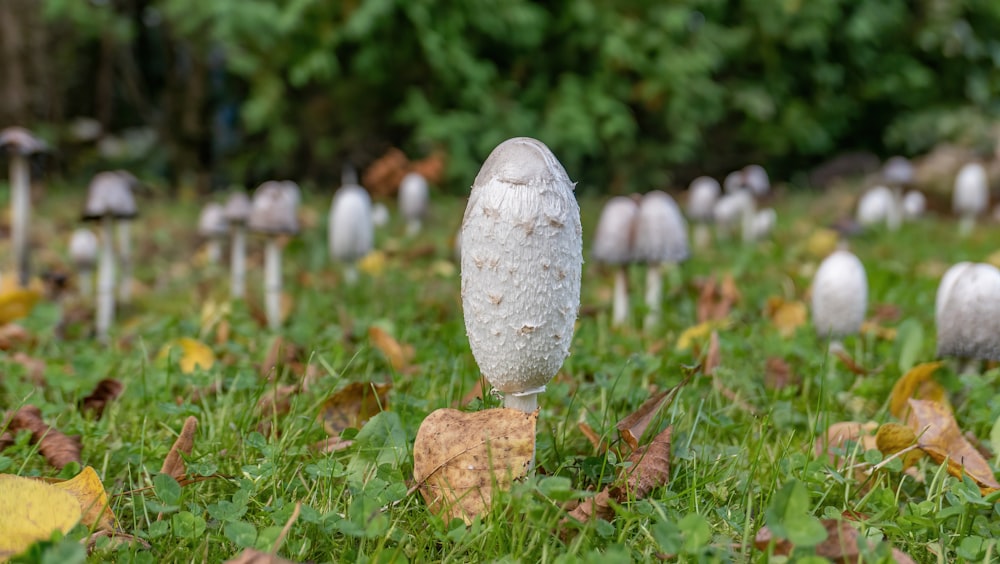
x: 629, y: 94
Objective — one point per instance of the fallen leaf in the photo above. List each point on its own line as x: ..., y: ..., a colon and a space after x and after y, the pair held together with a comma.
x: 475, y: 392
x: 822, y: 242
x: 892, y: 438
x: 56, y: 447
x: 251, y: 556
x: 17, y: 302
x: 698, y: 333
x: 778, y: 374
x: 193, y: 353
x: 460, y: 458
x: 106, y: 391
x: 373, y: 264
x: 886, y: 313
x: 786, y: 316
x: 87, y: 489
x: 173, y: 464
x: 30, y: 511
x: 282, y: 352
x: 850, y: 363
x: 633, y: 426
x: 939, y: 436
x: 841, y: 544
x: 872, y: 328
x: 399, y: 355
x: 332, y: 444
x: 840, y: 433
x: 917, y: 383
x: 717, y: 299
x: 33, y: 367
x: 592, y: 436
x: 353, y: 405
x: 213, y: 313
x: 713, y: 357
x: 13, y: 336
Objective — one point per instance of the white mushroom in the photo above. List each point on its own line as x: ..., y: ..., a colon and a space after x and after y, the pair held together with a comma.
x: 236, y: 213
x: 351, y: 232
x: 763, y: 224
x: 879, y: 205
x: 660, y: 238
x: 703, y: 192
x: 735, y: 210
x: 756, y: 180
x: 20, y: 145
x: 898, y: 172
x: 212, y: 226
x: 733, y: 182
x: 613, y: 241
x: 971, y: 196
x: 914, y: 205
x: 83, y: 251
x: 967, y: 312
x: 839, y: 295
x: 380, y: 214
x: 522, y: 256
x: 413, y: 198
x: 273, y: 214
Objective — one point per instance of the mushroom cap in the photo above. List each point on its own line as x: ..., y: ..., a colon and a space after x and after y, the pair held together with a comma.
x: 733, y: 182
x: 237, y: 208
x: 273, y: 210
x: 212, y: 221
x: 110, y: 194
x: 83, y: 248
x: 660, y: 230
x: 968, y: 312
x: 413, y: 196
x: 839, y: 295
x: 875, y: 206
x: 914, y: 204
x: 703, y: 192
x: 898, y: 171
x: 351, y: 232
x: 756, y: 180
x: 615, y: 233
x: 522, y: 257
x: 763, y: 223
x: 20, y: 141
x: 293, y: 189
x: 972, y: 190
x: 380, y: 214
x: 731, y: 208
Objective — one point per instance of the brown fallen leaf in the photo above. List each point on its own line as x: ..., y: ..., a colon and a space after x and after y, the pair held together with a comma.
x: 281, y: 353
x: 251, y: 556
x: 713, y: 356
x: 332, y: 444
x: 892, y: 438
x: 841, y: 544
x: 33, y: 367
x: 399, y: 355
x: 878, y: 331
x: 939, y: 436
x: 14, y: 336
x: 633, y: 426
x: 353, y: 405
x: 839, y: 433
x: 459, y: 459
x: 778, y: 374
x: 886, y: 313
x: 173, y: 464
x: 475, y: 392
x: 850, y: 363
x: 599, y: 445
x: 57, y: 448
x: 786, y: 316
x: 918, y: 383
x: 717, y: 299
x: 106, y: 391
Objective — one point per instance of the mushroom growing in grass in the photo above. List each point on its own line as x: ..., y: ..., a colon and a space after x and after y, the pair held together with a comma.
x: 914, y: 204
x: 273, y: 214
x: 898, y: 172
x: 756, y: 180
x: 763, y: 224
x: 83, y: 250
x: 878, y: 205
x: 212, y: 226
x: 703, y: 192
x: 839, y: 296
x: 967, y: 313
x: 613, y: 241
x: 660, y: 238
x: 351, y: 232
x: 236, y: 213
x: 413, y: 198
x: 522, y: 257
x: 109, y: 198
x: 20, y: 145
x: 971, y: 196
x: 735, y: 210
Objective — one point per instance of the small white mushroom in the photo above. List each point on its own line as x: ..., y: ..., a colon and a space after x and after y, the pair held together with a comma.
x: 414, y: 195
x: 733, y: 182
x: 735, y: 210
x: 613, y: 241
x: 971, y: 196
x: 236, y: 213
x: 967, y: 312
x: 879, y: 205
x: 273, y: 214
x: 660, y: 238
x: 914, y: 205
x: 763, y: 224
x: 83, y: 252
x: 212, y: 226
x: 20, y: 145
x: 756, y: 180
x: 703, y: 192
x: 898, y: 172
x: 380, y: 214
x: 839, y: 295
x: 522, y: 257
x: 351, y: 232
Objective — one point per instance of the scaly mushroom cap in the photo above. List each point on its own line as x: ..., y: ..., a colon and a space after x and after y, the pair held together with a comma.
x: 730, y: 209
x: 110, y: 194
x: 212, y: 221
x: 522, y: 257
x: 351, y: 231
x: 839, y: 295
x: 756, y: 180
x: 19, y: 140
x: 972, y: 191
x: 703, y: 192
x: 615, y: 233
x: 237, y: 208
x: 968, y: 312
x: 875, y: 206
x: 83, y: 248
x: 914, y: 204
x: 413, y: 196
x: 273, y: 210
x: 898, y: 171
x: 660, y: 230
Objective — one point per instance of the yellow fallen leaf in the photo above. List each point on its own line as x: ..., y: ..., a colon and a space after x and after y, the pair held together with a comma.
x: 939, y: 436
x: 786, y: 316
x: 30, y: 511
x: 88, y: 489
x: 893, y: 437
x: 822, y: 242
x: 17, y: 302
x: 194, y: 353
x: 373, y: 264
x: 399, y: 355
x: 444, y: 268
x: 699, y: 332
x: 918, y: 383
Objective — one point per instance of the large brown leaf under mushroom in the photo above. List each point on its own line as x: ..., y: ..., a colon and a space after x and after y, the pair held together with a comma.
x: 459, y: 459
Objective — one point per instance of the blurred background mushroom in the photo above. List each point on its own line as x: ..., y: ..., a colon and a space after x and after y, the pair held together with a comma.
x: 703, y: 192
x: 236, y: 213
x: 20, y: 145
x: 274, y: 215
x: 660, y: 239
x: 213, y: 228
x: 971, y: 196
x: 612, y: 246
x: 414, y: 198
x: 83, y: 252
x: 351, y: 232
x: 839, y: 296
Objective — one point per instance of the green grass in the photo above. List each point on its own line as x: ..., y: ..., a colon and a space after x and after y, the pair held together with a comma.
x: 727, y: 463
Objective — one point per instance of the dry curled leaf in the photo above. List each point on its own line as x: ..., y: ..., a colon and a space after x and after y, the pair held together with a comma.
x: 841, y: 544
x: 939, y: 436
x: 106, y: 391
x: 173, y: 464
x: 786, y: 316
x: 399, y: 355
x: 878, y: 331
x: 592, y: 436
x: 353, y: 405
x: 918, y: 383
x: 459, y: 459
x: 851, y: 364
x: 34, y: 368
x: 841, y: 432
x: 57, y: 448
x: 713, y: 356
x: 14, y: 336
x: 332, y: 444
x: 281, y: 353
x: 717, y: 299
x: 892, y: 438
x: 633, y: 426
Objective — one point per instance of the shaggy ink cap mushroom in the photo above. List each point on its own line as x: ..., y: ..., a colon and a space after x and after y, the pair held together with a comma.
x: 212, y: 221
x: 968, y: 312
x: 237, y: 208
x: 522, y: 257
x: 898, y: 171
x: 110, y: 195
x: 273, y: 210
x: 83, y: 248
x: 875, y: 206
x: 914, y: 204
x: 839, y: 295
x: 414, y: 194
x: 19, y: 141
x: 972, y: 192
x: 660, y: 233
x: 702, y: 195
x: 615, y: 232
x: 756, y: 180
x: 351, y: 230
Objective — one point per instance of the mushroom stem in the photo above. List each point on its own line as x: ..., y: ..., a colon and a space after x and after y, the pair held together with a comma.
x: 413, y: 227
x: 20, y: 201
x: 86, y: 285
x: 702, y: 235
x: 654, y: 292
x: 238, y: 262
x: 272, y: 282
x: 527, y: 403
x: 106, y: 280
x: 125, y: 255
x: 350, y: 273
x: 214, y: 250
x: 619, y: 309
x: 966, y: 225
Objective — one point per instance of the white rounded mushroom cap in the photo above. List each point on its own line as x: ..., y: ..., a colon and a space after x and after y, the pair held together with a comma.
x: 914, y: 204
x: 237, y: 209
x: 19, y: 140
x: 968, y: 313
x: 212, y: 221
x: 898, y: 171
x: 293, y: 190
x: 733, y: 182
x: 702, y: 195
x: 875, y: 206
x: 756, y: 180
x: 351, y: 232
x: 110, y: 194
x: 522, y: 257
x: 763, y: 223
x: 274, y: 210
x: 731, y: 208
x: 413, y: 196
x: 972, y: 192
x: 660, y: 230
x: 83, y: 248
x: 615, y: 233
x: 380, y: 214
x: 946, y: 284
x: 839, y: 295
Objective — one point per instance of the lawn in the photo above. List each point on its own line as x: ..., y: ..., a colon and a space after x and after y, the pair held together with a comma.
x: 742, y: 453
